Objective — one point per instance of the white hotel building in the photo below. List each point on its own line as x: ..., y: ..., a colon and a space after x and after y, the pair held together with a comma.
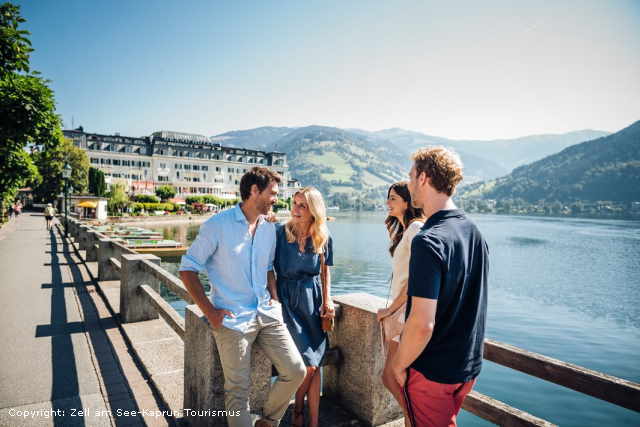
x: 192, y: 164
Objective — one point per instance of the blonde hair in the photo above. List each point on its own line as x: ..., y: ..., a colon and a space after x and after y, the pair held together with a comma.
x: 319, y: 232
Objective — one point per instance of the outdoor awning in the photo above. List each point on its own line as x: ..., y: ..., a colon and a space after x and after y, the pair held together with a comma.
x: 87, y: 204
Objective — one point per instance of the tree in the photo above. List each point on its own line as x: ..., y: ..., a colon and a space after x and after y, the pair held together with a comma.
x: 118, y: 198
x: 50, y: 163
x: 27, y: 106
x: 165, y: 192
x: 97, y: 184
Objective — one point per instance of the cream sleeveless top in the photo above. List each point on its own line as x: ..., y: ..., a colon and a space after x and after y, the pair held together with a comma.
x: 401, y: 258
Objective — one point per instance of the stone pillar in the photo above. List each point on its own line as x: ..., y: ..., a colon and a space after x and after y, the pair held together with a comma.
x: 133, y: 306
x: 75, y: 231
x: 203, y: 376
x: 106, y: 250
x: 91, y: 239
x: 355, y: 383
x: 82, y: 243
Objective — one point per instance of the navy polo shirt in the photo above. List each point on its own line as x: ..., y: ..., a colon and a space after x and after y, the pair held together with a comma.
x: 450, y: 263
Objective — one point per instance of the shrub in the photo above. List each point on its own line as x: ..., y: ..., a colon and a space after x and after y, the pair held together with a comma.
x: 142, y: 198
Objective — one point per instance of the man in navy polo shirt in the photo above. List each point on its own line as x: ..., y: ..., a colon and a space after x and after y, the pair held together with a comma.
x: 440, y: 354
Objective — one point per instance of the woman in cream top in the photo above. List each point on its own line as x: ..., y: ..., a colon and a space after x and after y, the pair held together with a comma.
x: 404, y: 222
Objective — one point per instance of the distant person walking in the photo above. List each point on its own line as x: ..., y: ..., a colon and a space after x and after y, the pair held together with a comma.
x: 403, y: 223
x: 49, y: 212
x: 17, y: 209
x: 237, y: 250
x: 440, y: 353
x: 11, y: 211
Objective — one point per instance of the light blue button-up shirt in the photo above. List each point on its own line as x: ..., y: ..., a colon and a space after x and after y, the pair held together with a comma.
x: 237, y: 265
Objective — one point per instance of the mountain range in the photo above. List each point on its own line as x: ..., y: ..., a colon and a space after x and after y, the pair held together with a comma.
x: 354, y: 160
x: 604, y: 169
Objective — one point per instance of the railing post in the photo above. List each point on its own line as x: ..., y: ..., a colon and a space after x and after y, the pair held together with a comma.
x: 74, y: 229
x: 91, y: 239
x: 203, y: 376
x: 106, y: 251
x: 133, y: 307
x: 82, y: 242
x: 355, y: 383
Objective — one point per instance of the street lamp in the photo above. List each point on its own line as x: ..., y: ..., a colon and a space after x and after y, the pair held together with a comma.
x: 66, y: 174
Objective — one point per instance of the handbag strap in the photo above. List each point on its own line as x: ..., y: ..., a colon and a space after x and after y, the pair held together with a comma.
x: 322, y: 272
x: 390, y: 281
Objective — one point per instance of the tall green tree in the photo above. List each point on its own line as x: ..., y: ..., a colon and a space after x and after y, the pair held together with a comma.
x: 27, y: 106
x: 50, y: 163
x: 97, y: 184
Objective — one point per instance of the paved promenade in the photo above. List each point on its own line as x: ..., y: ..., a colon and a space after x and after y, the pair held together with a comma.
x: 62, y: 350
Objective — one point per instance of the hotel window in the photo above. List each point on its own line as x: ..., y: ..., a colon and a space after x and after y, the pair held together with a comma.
x: 196, y: 167
x: 116, y: 162
x: 126, y: 163
x: 204, y: 176
x: 177, y: 175
x: 196, y: 179
x: 147, y: 164
x: 135, y: 177
x: 116, y: 175
x: 128, y: 150
x: 177, y: 166
x: 163, y: 178
x: 217, y: 169
x: 163, y: 165
x: 205, y: 168
x: 187, y: 167
x: 230, y: 170
x: 94, y: 160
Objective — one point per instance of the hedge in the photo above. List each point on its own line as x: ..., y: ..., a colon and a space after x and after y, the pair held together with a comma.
x: 150, y: 207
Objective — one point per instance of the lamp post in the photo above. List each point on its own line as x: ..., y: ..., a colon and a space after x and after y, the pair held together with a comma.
x: 66, y: 174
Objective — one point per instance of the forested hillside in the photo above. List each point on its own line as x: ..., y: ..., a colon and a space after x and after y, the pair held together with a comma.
x: 607, y: 168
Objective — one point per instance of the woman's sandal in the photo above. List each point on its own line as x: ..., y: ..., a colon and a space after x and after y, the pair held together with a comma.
x: 297, y: 416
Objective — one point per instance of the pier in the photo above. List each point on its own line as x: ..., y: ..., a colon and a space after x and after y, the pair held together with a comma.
x: 84, y: 326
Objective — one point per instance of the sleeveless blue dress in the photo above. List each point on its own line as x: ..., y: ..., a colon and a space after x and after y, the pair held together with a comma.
x: 300, y: 292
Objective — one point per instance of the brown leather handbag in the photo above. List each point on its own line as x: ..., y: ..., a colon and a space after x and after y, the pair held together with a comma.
x: 327, y: 322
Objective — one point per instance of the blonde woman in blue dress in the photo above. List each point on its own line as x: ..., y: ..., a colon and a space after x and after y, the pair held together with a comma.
x: 305, y: 300
x: 404, y: 222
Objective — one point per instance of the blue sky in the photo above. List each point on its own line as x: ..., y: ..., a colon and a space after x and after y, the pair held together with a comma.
x: 460, y: 69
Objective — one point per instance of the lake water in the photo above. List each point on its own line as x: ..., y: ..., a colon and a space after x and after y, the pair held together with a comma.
x: 566, y: 288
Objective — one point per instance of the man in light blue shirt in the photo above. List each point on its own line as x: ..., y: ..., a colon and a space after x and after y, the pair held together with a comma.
x: 237, y: 249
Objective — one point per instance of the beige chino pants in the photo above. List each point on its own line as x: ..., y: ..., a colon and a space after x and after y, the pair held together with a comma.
x: 275, y: 341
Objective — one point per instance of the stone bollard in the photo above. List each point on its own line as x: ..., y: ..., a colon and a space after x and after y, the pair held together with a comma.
x: 91, y: 240
x: 82, y: 236
x: 73, y: 227
x: 107, y: 250
x: 355, y: 383
x: 133, y: 306
x: 203, y: 377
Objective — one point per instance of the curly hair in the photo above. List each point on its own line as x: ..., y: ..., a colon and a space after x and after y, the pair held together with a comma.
x: 442, y: 166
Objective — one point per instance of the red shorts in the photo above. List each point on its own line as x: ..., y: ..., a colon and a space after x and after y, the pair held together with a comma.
x: 432, y: 404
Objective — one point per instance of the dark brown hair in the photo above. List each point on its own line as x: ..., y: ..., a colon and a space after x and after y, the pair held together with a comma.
x: 442, y: 166
x: 395, y: 227
x: 259, y: 176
